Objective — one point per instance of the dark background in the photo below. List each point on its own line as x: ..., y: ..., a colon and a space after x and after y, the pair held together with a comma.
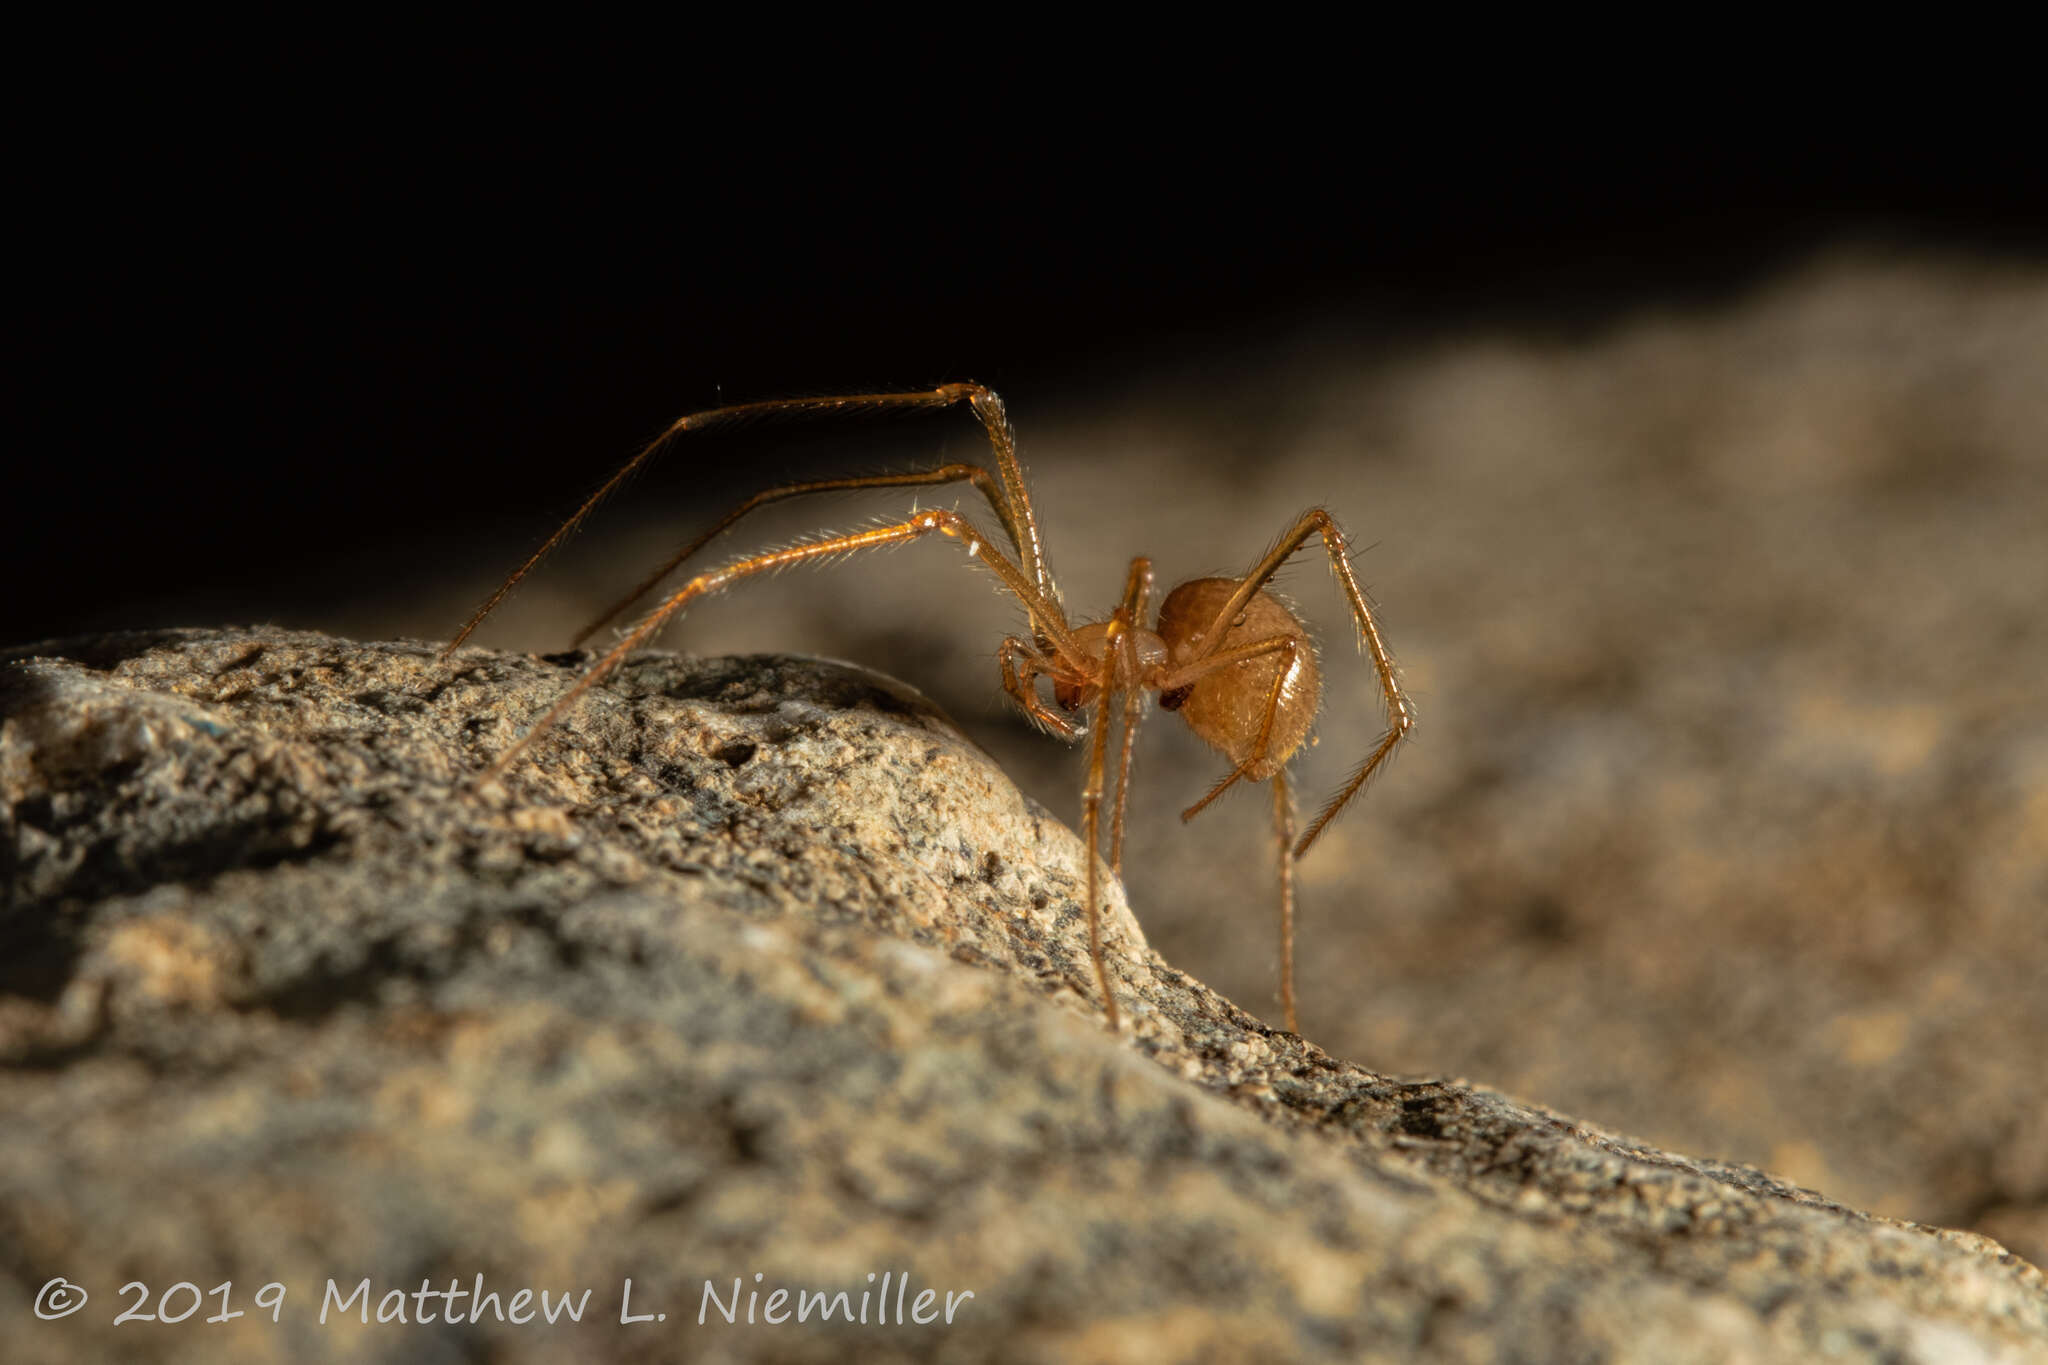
x: 297, y: 330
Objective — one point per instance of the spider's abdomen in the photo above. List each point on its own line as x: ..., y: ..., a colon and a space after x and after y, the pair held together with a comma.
x: 1227, y: 708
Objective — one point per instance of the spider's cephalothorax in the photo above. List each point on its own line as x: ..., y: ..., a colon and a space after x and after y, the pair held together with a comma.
x: 1225, y: 655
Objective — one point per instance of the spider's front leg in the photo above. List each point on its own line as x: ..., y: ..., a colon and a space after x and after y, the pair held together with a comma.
x: 1045, y: 613
x: 1009, y: 498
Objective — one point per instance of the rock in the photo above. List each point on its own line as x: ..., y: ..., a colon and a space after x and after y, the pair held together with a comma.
x: 756, y: 967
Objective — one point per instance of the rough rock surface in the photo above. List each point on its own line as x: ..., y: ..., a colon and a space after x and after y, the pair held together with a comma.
x: 756, y: 966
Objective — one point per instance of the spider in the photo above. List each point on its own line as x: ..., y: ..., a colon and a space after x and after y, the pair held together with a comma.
x: 1224, y: 653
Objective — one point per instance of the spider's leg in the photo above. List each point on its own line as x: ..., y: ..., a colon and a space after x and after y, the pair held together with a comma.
x: 952, y: 473
x: 1137, y: 588
x: 1022, y: 525
x: 1180, y: 677
x: 1283, y: 804
x: 1283, y: 834
x: 1091, y: 811
x: 1400, y: 711
x: 1134, y: 712
x: 1228, y: 781
x: 951, y: 524
x: 1013, y: 507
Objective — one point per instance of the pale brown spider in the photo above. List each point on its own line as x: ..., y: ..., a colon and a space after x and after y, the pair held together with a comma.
x: 1228, y: 656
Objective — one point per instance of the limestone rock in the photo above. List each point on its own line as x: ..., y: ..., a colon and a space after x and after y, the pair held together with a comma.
x: 756, y: 966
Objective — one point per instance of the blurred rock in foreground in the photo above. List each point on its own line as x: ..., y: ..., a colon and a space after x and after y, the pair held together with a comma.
x: 756, y: 966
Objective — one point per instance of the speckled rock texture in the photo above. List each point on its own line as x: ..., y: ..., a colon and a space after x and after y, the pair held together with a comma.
x: 757, y: 966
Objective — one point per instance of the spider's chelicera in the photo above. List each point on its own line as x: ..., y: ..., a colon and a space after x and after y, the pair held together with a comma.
x: 1224, y: 654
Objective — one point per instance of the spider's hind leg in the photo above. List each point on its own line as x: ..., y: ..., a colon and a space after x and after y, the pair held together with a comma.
x: 1400, y: 710
x: 1283, y: 831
